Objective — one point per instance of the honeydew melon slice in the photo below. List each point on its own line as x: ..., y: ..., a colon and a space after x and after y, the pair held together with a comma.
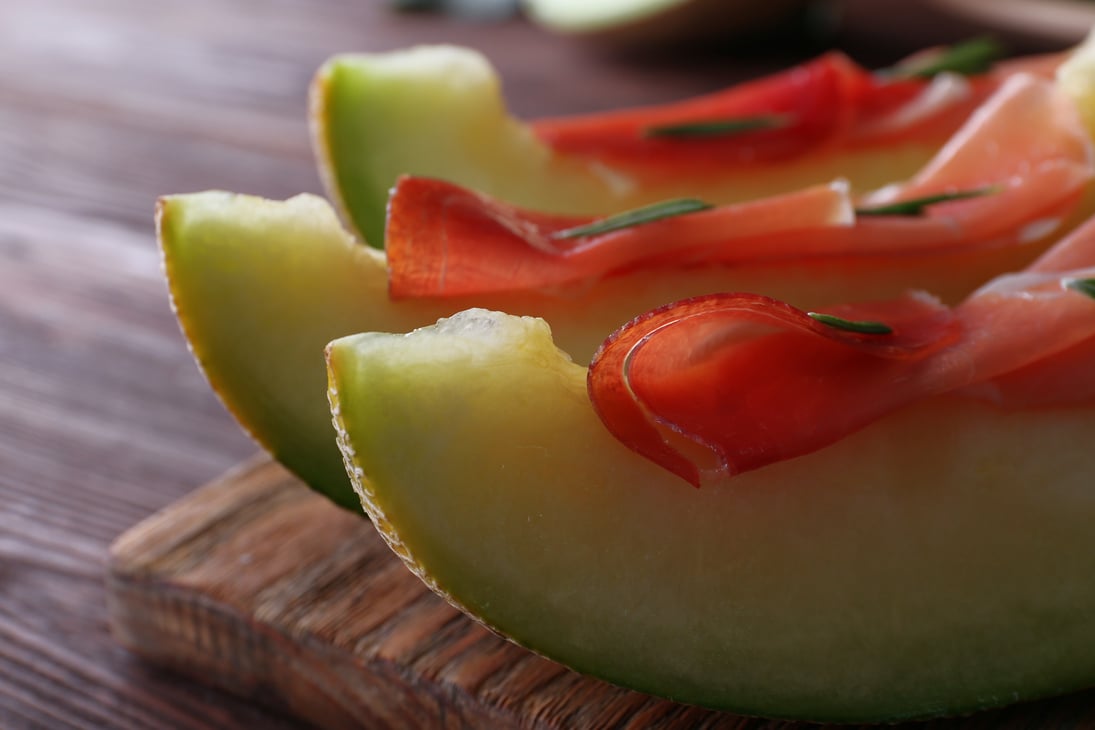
x: 633, y: 23
x: 260, y: 287
x: 935, y: 563
x: 438, y: 111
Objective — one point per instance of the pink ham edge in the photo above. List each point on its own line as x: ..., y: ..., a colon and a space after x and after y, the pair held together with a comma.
x: 1017, y: 342
x: 1039, y: 182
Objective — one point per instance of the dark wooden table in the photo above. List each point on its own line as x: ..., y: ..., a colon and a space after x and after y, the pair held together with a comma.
x: 104, y: 419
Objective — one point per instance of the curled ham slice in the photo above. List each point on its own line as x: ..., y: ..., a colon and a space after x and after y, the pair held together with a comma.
x: 443, y: 240
x: 1027, y: 126
x: 717, y: 385
x: 826, y: 103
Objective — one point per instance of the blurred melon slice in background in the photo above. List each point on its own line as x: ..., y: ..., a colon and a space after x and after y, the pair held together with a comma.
x: 652, y: 22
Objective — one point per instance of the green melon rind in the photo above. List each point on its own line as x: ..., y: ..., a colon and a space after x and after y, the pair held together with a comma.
x: 936, y: 563
x: 247, y: 276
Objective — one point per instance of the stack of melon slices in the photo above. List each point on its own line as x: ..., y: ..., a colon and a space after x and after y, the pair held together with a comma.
x: 934, y: 558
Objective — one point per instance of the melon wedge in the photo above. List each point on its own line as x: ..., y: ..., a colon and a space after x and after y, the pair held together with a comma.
x: 260, y: 287
x: 438, y: 111
x: 935, y: 563
x: 649, y: 22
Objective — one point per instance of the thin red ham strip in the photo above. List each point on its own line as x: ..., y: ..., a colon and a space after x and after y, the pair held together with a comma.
x: 717, y: 385
x: 815, y: 101
x: 826, y: 103
x: 1027, y: 144
x: 443, y: 240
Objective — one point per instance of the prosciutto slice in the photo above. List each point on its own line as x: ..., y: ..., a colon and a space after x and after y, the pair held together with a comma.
x: 826, y: 103
x: 717, y: 385
x: 1026, y: 149
x: 443, y: 240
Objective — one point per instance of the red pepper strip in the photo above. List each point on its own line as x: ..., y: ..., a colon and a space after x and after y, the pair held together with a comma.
x: 443, y: 240
x: 698, y: 388
x: 828, y: 102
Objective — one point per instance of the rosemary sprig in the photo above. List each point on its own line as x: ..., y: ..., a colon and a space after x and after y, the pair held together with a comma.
x: 916, y: 206
x: 720, y: 127
x: 974, y: 56
x: 864, y: 327
x: 636, y: 217
x: 1084, y: 286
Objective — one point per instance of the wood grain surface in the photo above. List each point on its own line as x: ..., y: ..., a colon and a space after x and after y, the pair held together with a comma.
x: 257, y: 585
x: 104, y: 105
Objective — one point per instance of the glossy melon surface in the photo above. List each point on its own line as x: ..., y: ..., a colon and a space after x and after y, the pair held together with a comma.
x: 261, y: 286
x: 935, y: 563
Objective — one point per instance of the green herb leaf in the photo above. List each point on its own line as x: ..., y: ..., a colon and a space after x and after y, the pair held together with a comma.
x: 864, y: 327
x: 1084, y: 286
x: 720, y: 127
x: 916, y: 206
x: 970, y: 57
x: 637, y: 217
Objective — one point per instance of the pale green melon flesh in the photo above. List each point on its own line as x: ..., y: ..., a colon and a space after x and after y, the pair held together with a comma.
x: 262, y: 286
x: 577, y: 16
x: 653, y: 22
x: 438, y: 111
x: 937, y: 562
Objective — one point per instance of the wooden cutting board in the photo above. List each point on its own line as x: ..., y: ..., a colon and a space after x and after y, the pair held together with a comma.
x: 257, y: 585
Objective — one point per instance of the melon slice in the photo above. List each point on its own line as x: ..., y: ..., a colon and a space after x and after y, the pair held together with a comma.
x: 260, y: 287
x: 934, y: 563
x: 643, y: 22
x: 438, y: 111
